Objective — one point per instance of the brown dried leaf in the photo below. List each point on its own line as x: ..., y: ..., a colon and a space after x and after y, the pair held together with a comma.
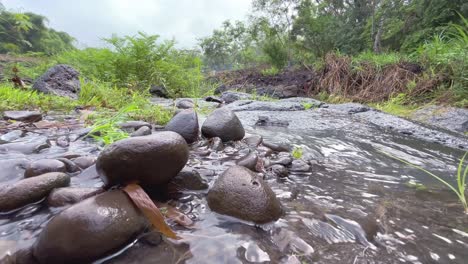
x: 149, y: 209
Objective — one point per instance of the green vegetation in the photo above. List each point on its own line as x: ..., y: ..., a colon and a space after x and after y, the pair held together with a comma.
x: 397, y: 106
x: 459, y: 189
x: 297, y: 152
x: 307, y: 106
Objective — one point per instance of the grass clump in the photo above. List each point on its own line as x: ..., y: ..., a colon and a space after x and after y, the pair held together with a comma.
x: 459, y: 189
x: 270, y: 71
x: 397, y: 105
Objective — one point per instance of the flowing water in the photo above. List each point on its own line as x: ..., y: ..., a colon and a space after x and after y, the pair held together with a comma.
x: 354, y: 206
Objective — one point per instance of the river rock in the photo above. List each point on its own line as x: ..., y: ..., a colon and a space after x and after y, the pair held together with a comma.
x: 283, y: 158
x: 11, y: 136
x: 278, y: 171
x: 189, y: 179
x: 230, y: 97
x: 159, y: 91
x: 214, y: 99
x: 185, y: 124
x: 85, y: 161
x: 30, y: 190
x: 253, y: 141
x: 70, y: 166
x: 23, y: 116
x: 150, y: 160
x: 240, y: 193
x: 134, y: 125
x: 223, y: 123
x: 216, y: 144
x: 142, y: 131
x: 26, y: 147
x: 42, y: 166
x: 249, y: 161
x: 300, y: 166
x: 60, y: 80
x: 185, y: 104
x: 89, y: 230
x: 70, y: 195
x: 278, y: 147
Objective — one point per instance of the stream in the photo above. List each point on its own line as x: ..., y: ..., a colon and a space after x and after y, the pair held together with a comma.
x: 355, y: 205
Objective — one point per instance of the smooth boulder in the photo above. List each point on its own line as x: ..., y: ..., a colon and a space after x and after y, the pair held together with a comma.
x: 70, y: 195
x: 240, y: 193
x: 23, y: 116
x: 43, y: 166
x: 185, y: 123
x: 148, y: 160
x: 61, y: 80
x: 30, y: 190
x: 89, y: 230
x: 223, y: 123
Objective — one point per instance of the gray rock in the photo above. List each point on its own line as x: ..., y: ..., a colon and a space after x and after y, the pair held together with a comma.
x: 189, y: 179
x: 85, y: 161
x: 350, y: 108
x: 214, y: 99
x: 451, y: 118
x: 142, y: 131
x: 300, y: 166
x: 134, y: 125
x: 279, y: 105
x: 26, y: 147
x: 240, y: 193
x: 11, y: 136
x: 185, y: 103
x: 11, y: 169
x: 30, y: 190
x: 249, y: 161
x: 150, y: 160
x: 88, y: 173
x: 267, y: 121
x: 283, y: 158
x: 278, y: 147
x: 70, y: 166
x: 42, y: 166
x: 185, y: 123
x: 23, y: 116
x: 70, y: 195
x: 159, y: 91
x: 253, y: 141
x: 278, y: 171
x: 216, y: 144
x: 61, y: 80
x: 230, y: 97
x: 90, y: 230
x: 63, y: 141
x: 224, y: 124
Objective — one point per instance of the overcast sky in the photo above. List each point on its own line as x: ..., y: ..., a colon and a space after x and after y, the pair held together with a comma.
x: 90, y: 20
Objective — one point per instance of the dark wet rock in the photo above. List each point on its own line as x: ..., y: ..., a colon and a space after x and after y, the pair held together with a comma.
x: 224, y: 124
x: 89, y: 230
x: 220, y: 89
x: 216, y: 144
x: 214, y: 99
x: 63, y: 141
x: 159, y: 91
x: 88, y: 173
x: 300, y: 166
x: 70, y: 166
x: 185, y: 104
x: 283, y: 158
x: 278, y: 147
x: 185, y: 124
x: 241, y: 193
x: 42, y: 166
x: 264, y: 151
x: 267, y: 121
x: 134, y: 125
x: 142, y: 131
x: 85, y: 161
x: 189, y: 179
x: 253, y: 141
x: 229, y: 97
x: 152, y: 238
x: 451, y: 118
x: 11, y: 136
x: 150, y: 160
x: 60, y: 80
x: 278, y: 171
x: 23, y: 116
x: 23, y: 192
x: 21, y: 256
x: 249, y: 161
x: 350, y: 108
x: 70, y: 195
x: 11, y: 169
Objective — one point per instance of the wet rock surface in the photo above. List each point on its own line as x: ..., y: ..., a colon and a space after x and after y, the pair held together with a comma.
x: 60, y: 80
x: 89, y: 230
x: 185, y: 123
x: 185, y: 103
x: 24, y: 192
x: 455, y: 119
x: 157, y: 159
x: 70, y: 195
x: 189, y: 179
x: 142, y: 131
x: 24, y: 116
x: 43, y: 166
x: 224, y: 124
x: 229, y: 97
x: 240, y: 193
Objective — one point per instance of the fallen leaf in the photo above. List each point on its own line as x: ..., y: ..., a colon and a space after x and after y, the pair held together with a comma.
x: 149, y: 209
x: 175, y: 215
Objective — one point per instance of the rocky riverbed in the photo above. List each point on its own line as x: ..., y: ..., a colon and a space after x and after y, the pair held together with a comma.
x: 230, y: 171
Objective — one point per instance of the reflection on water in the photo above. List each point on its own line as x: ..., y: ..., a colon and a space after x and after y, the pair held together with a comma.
x: 354, y: 207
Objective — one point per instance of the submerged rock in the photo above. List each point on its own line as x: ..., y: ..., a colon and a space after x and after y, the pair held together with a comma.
x: 149, y: 160
x: 30, y: 190
x: 11, y: 136
x: 189, y: 179
x: 278, y: 171
x: 85, y: 161
x: 42, y: 166
x: 185, y: 123
x: 253, y: 141
x: 216, y: 144
x: 241, y: 193
x: 61, y: 80
x: 23, y: 116
x: 283, y: 158
x: 70, y: 195
x: 89, y: 230
x: 28, y: 147
x: 249, y: 161
x: 223, y: 123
